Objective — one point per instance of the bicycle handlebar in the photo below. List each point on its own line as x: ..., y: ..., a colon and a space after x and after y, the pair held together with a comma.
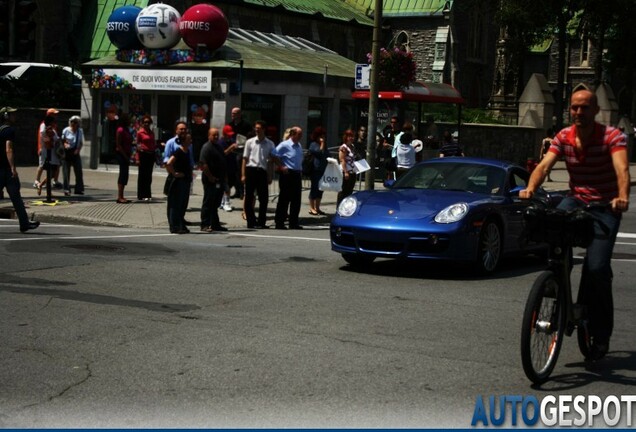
x: 558, y: 226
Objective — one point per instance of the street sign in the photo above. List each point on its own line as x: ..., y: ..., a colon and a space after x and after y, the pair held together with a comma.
x: 363, y: 72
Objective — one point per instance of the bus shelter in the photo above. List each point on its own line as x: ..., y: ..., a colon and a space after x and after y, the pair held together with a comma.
x: 432, y: 108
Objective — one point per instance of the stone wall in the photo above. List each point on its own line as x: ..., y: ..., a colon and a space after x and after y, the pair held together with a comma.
x: 510, y: 143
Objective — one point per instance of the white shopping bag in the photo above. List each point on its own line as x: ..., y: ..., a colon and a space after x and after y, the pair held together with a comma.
x: 332, y: 179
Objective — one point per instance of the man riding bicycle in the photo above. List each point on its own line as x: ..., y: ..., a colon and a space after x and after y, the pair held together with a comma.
x: 596, y: 159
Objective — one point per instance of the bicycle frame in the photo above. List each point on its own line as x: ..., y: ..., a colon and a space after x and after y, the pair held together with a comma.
x: 560, y: 262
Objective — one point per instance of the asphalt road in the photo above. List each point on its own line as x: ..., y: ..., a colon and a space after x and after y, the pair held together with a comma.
x: 112, y: 327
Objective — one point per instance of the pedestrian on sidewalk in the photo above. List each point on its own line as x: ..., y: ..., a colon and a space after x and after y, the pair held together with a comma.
x: 319, y: 152
x: 73, y: 140
x: 123, y: 153
x: 230, y: 149
x: 450, y: 147
x: 180, y: 178
x: 241, y: 131
x: 145, y: 158
x: 9, y: 178
x: 50, y: 154
x: 180, y: 132
x: 256, y: 175
x: 289, y: 157
x: 214, y: 178
x: 51, y: 112
x: 545, y: 146
x: 346, y: 157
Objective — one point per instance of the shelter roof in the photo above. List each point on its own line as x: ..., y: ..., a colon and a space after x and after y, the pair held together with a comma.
x: 419, y: 91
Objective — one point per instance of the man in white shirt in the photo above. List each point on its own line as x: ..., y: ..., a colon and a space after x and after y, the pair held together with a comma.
x: 256, y: 174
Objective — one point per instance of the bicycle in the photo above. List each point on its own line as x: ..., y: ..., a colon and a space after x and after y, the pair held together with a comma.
x: 550, y: 311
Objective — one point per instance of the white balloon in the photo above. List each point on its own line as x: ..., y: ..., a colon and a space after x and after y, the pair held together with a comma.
x: 158, y: 26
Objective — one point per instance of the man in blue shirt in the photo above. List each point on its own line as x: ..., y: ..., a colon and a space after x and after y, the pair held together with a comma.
x: 180, y: 132
x: 289, y: 157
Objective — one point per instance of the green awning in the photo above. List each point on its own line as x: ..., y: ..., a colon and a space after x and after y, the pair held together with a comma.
x: 403, y: 8
x: 257, y: 56
x: 337, y: 10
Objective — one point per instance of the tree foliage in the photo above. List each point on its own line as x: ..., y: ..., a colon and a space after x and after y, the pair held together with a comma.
x: 608, y: 23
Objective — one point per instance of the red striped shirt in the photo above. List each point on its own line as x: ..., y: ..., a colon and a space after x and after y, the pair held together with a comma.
x: 591, y: 170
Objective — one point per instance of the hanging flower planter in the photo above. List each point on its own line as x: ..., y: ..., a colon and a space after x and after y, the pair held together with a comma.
x: 396, y: 69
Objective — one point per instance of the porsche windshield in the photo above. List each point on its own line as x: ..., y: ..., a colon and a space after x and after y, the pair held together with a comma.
x: 473, y: 178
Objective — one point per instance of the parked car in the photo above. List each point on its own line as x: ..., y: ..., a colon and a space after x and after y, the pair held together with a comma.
x: 37, y: 71
x: 32, y: 84
x: 456, y: 209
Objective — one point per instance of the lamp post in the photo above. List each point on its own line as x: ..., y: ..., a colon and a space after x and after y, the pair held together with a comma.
x: 372, y: 124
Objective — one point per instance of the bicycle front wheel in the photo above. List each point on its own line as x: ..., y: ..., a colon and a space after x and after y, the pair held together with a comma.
x: 542, y: 328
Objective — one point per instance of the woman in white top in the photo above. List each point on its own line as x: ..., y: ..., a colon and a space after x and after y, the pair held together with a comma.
x: 73, y: 140
x: 405, y: 154
x: 347, y: 156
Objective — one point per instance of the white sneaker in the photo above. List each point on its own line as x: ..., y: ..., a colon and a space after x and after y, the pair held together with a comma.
x: 36, y: 184
x: 227, y: 207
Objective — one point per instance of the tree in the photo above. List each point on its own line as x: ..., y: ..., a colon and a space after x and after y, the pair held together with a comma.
x: 609, y: 23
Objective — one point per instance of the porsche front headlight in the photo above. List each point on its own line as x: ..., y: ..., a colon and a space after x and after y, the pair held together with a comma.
x: 348, y: 206
x: 452, y: 213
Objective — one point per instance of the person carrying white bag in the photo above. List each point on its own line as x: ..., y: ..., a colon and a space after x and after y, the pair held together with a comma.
x: 347, y: 156
x: 332, y: 178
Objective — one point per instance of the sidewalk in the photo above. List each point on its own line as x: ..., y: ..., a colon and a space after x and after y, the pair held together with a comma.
x: 98, y: 206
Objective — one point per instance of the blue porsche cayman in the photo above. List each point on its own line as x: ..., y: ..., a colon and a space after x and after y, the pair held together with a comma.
x: 456, y: 209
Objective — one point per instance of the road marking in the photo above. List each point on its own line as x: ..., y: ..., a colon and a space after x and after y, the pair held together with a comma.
x: 29, y: 238
x: 276, y: 237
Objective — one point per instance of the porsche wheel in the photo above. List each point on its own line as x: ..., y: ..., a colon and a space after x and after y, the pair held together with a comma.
x: 490, y: 245
x: 356, y: 260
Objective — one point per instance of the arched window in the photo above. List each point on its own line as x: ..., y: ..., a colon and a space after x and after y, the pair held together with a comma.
x: 402, y: 41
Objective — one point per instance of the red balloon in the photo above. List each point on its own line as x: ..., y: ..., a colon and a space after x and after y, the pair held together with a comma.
x: 204, y: 24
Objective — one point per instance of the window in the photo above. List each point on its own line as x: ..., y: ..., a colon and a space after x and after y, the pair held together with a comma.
x: 585, y: 50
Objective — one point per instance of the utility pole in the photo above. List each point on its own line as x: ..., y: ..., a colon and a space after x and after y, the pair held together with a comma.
x: 372, y: 125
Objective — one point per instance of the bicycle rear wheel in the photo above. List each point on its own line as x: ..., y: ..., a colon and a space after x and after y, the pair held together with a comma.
x: 542, y: 328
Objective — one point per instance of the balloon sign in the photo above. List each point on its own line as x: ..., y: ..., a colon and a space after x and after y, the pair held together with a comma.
x: 204, y: 24
x: 121, y: 27
x: 158, y: 26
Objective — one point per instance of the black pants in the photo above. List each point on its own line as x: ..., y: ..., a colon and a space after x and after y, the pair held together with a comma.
x: 72, y: 160
x: 144, y: 179
x: 256, y: 181
x: 177, y: 199
x: 13, y: 189
x: 290, y: 184
x: 212, y: 196
x: 348, y: 185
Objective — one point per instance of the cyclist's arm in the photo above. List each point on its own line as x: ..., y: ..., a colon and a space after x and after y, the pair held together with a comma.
x: 621, y: 166
x: 538, y: 175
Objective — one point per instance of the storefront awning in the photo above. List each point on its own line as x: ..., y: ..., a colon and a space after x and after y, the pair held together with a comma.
x: 259, y: 51
x: 418, y: 92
